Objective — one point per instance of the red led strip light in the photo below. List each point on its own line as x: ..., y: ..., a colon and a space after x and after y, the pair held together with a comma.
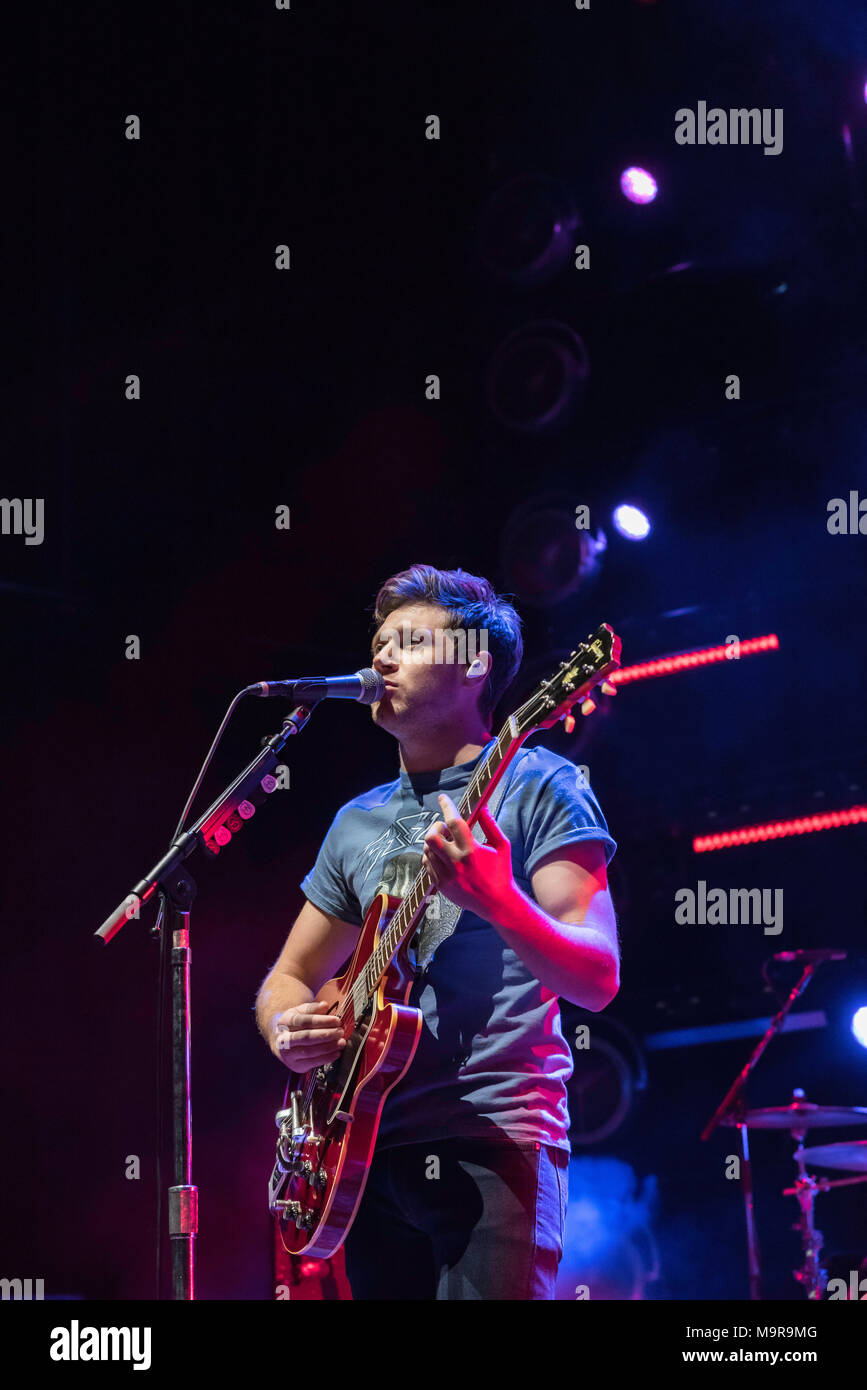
x: 667, y: 665
x: 748, y: 834
x: 779, y: 829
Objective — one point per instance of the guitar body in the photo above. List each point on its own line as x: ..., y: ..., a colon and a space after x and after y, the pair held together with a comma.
x: 321, y: 1172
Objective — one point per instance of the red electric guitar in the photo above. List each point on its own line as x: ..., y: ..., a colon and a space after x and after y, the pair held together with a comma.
x: 330, y: 1116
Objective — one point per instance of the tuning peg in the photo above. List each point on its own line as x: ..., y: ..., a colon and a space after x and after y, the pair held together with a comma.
x: 568, y: 722
x: 607, y: 688
x: 587, y: 706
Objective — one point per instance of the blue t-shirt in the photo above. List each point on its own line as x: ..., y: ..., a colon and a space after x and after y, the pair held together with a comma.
x: 491, y: 1061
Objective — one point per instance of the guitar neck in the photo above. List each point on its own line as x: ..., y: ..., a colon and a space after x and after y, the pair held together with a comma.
x: 487, y: 774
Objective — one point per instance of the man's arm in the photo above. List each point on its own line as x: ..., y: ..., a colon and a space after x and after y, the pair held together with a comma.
x: 568, y: 938
x: 315, y: 949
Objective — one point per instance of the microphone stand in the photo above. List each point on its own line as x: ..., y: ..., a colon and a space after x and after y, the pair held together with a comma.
x: 177, y: 890
x: 733, y: 1103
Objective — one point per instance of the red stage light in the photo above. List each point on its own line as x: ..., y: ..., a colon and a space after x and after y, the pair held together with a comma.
x: 802, y: 825
x: 667, y: 665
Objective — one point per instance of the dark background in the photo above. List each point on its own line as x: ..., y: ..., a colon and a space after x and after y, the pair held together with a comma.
x: 306, y: 388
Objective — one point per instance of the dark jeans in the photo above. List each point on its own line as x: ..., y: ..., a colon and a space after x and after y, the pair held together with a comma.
x: 460, y: 1218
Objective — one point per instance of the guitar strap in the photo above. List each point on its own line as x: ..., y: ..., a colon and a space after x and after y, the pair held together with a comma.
x: 442, y: 916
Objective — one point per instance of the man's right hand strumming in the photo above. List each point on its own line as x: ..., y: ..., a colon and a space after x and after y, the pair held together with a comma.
x: 306, y: 1036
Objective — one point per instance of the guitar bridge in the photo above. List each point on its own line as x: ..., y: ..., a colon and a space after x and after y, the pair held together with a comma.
x: 294, y: 1140
x: 292, y: 1137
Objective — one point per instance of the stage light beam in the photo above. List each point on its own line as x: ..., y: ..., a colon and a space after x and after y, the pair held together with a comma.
x: 859, y: 1025
x: 631, y: 522
x: 638, y: 185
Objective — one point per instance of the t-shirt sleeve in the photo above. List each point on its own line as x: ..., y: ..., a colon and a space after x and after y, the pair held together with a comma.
x: 564, y: 811
x: 326, y: 885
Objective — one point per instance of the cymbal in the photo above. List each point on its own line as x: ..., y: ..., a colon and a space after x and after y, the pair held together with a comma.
x: 800, y: 1115
x: 851, y: 1155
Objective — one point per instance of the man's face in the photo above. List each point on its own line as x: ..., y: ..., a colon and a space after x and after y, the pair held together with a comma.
x: 424, y: 667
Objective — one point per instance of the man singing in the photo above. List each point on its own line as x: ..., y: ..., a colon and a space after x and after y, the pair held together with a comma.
x: 467, y: 1190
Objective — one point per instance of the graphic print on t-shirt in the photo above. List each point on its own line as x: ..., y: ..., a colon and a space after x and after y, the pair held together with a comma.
x: 406, y: 830
x: 440, y: 918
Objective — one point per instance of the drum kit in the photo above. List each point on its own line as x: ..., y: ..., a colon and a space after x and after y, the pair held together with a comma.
x: 849, y: 1156
x: 798, y: 1118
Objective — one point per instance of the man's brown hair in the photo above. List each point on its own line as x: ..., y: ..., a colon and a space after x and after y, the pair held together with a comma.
x: 469, y: 603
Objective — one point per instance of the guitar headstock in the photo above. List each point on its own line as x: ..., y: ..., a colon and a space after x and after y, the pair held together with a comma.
x: 573, y: 680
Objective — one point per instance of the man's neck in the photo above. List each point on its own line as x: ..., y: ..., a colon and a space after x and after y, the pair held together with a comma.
x: 448, y: 749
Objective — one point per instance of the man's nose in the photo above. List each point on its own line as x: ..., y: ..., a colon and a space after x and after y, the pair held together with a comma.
x: 386, y: 658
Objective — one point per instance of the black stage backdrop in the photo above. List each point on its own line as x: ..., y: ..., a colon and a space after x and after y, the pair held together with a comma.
x: 178, y: 385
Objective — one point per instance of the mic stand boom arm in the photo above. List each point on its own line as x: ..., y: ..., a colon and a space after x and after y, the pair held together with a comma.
x: 215, y: 827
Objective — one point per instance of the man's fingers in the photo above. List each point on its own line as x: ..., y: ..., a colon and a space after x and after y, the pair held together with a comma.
x: 314, y: 1055
x: 313, y: 1035
x: 310, y: 1047
x: 460, y: 831
x: 309, y: 1036
x: 309, y: 1062
x: 312, y: 1015
x: 490, y: 827
x: 438, y: 851
x: 433, y: 862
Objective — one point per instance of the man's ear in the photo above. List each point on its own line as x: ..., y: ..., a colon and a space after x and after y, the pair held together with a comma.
x: 479, y: 666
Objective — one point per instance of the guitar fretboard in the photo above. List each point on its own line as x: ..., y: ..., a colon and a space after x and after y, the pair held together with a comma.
x: 485, y: 776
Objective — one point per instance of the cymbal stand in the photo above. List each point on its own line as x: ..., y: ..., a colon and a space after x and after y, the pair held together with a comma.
x: 811, y: 1275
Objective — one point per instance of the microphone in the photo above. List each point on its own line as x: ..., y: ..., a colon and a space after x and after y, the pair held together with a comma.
x: 366, y: 686
x: 829, y: 954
